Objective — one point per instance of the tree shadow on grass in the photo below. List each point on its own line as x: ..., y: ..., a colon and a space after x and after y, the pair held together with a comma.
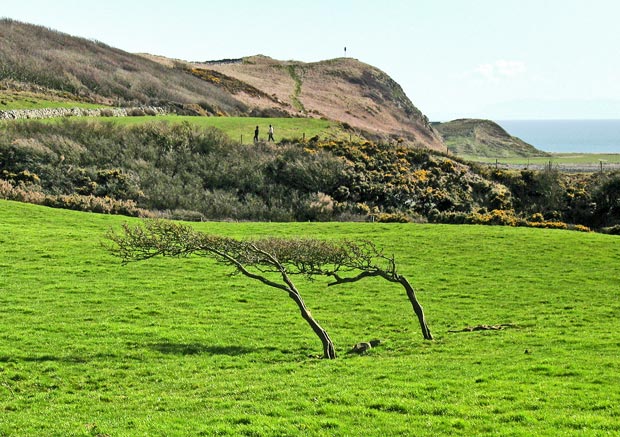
x: 67, y: 359
x: 198, y: 349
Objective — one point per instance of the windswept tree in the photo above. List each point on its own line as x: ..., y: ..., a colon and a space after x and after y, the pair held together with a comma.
x: 370, y: 261
x: 271, y: 261
x: 250, y: 258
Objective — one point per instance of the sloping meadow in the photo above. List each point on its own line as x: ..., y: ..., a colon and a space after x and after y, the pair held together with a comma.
x: 180, y: 347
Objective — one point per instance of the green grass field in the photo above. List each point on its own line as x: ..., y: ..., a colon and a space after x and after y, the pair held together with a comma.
x: 178, y: 347
x: 555, y: 158
x: 242, y: 128
x: 238, y: 128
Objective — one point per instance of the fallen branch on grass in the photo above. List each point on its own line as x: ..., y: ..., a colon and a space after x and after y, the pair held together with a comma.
x: 484, y: 328
x: 362, y: 347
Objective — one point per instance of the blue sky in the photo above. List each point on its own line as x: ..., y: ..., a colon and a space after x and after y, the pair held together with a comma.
x: 497, y: 59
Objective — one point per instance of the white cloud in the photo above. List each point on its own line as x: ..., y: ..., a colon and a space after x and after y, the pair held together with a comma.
x: 501, y: 69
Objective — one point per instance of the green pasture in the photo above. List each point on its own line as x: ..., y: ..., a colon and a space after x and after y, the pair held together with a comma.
x: 555, y: 159
x: 177, y: 347
x: 242, y: 128
x: 237, y: 128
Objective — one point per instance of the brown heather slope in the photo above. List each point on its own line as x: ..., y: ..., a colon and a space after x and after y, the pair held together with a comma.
x: 37, y: 58
x: 342, y: 89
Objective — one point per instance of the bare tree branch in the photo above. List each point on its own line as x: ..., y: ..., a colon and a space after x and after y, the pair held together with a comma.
x: 339, y: 280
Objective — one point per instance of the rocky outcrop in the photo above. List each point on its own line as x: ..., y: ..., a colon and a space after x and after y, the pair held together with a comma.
x: 15, y: 114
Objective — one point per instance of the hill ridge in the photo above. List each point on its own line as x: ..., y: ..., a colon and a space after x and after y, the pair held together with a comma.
x: 343, y: 90
x: 483, y: 138
x: 95, y: 72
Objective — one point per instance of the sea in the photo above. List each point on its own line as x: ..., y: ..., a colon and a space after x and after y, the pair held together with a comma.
x: 567, y: 136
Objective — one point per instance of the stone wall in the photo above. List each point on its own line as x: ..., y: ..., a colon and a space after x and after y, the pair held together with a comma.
x: 14, y: 114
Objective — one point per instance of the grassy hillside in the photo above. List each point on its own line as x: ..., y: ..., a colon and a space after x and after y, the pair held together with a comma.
x: 42, y: 58
x: 14, y: 99
x: 178, y: 347
x: 473, y: 138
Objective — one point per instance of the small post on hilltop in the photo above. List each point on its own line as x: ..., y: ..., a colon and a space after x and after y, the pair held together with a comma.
x: 345, y: 51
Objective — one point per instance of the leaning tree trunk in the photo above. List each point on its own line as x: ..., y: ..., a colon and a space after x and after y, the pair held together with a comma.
x: 417, y: 308
x: 328, y: 346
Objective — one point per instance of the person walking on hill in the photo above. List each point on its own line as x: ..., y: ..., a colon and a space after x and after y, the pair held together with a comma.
x: 256, y: 135
x: 270, y: 138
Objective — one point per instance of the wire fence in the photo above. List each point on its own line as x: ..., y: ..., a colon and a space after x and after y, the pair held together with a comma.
x: 592, y: 167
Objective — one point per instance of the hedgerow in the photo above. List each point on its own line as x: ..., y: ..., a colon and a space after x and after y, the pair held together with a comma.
x: 193, y: 173
x: 90, y: 203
